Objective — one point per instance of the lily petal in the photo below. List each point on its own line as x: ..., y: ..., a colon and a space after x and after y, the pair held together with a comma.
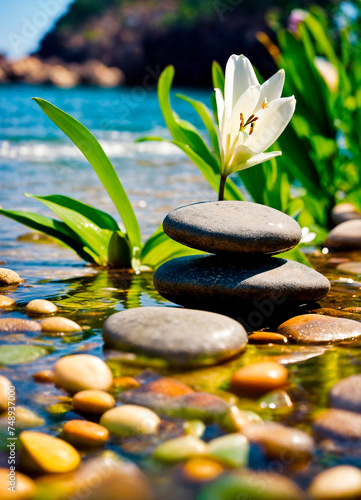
x: 272, y: 88
x: 238, y: 77
x: 272, y: 122
x: 256, y: 160
x: 220, y: 105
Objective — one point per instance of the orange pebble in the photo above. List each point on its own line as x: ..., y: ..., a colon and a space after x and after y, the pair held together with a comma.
x: 84, y: 433
x: 267, y: 338
x: 45, y: 376
x: 202, y: 469
x: 93, y: 401
x: 259, y: 378
x: 125, y: 383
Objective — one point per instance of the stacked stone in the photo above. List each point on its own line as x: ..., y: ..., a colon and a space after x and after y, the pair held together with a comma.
x: 242, y: 239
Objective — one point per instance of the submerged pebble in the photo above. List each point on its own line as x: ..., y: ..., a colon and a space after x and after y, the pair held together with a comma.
x: 200, y: 469
x: 259, y: 378
x: 319, y: 329
x: 6, y: 302
x: 232, y: 450
x: 248, y: 484
x: 340, y: 425
x: 346, y: 394
x: 182, y: 337
x: 232, y: 227
x: 84, y: 434
x: 79, y: 372
x: 24, y: 489
x: 130, y: 420
x: 93, y: 401
x: 17, y: 325
x: 57, y: 324
x: 336, y: 483
x: 182, y: 448
x: 44, y: 376
x: 47, y: 454
x: 9, y: 277
x: 281, y: 442
x: 40, y: 306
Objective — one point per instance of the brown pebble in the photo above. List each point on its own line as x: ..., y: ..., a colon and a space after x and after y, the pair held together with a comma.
x: 44, y: 376
x: 57, y: 324
x: 345, y: 236
x: 93, y: 401
x: 339, y: 425
x: 319, y: 329
x: 267, y: 338
x: 259, y: 378
x: 84, y: 434
x: 168, y: 387
x: 40, y: 307
x: 9, y: 277
x: 355, y: 310
x: 6, y: 302
x: 336, y: 313
x: 17, y: 325
x: 344, y: 212
x: 201, y: 469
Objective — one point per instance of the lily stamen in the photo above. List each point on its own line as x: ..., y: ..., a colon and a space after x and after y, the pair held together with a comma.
x: 252, y: 128
x: 264, y: 104
x: 251, y: 120
x: 242, y: 121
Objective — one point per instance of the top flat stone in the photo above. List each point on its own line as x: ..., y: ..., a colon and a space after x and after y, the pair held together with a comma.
x: 232, y: 227
x: 183, y: 337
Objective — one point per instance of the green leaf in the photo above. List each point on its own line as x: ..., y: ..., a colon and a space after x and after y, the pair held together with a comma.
x: 297, y: 255
x: 94, y: 153
x: 217, y: 76
x: 14, y: 354
x: 92, y: 236
x: 52, y: 227
x: 205, y: 116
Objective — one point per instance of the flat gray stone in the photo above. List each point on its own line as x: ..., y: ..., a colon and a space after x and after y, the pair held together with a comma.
x: 212, y: 281
x: 345, y: 236
x: 346, y: 394
x: 339, y: 425
x: 232, y: 227
x: 183, y: 337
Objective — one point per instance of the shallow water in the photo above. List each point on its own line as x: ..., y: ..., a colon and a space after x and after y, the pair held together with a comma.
x: 35, y: 157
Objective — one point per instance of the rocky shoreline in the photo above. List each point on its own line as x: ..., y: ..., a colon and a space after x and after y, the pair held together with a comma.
x: 54, y: 71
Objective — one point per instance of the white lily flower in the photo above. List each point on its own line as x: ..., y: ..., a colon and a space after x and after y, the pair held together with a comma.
x: 251, y: 116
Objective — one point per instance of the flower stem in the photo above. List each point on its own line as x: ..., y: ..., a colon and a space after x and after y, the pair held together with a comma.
x: 221, y: 187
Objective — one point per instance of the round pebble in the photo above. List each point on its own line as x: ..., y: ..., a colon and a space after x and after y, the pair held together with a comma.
x: 267, y: 338
x: 130, y: 420
x: 345, y: 236
x: 336, y: 483
x: 251, y: 485
x: 17, y: 325
x: 9, y: 277
x: 344, y: 212
x: 350, y: 268
x: 22, y: 488
x: 232, y: 450
x: 5, y: 386
x: 6, y: 302
x: 259, y: 378
x: 339, y: 425
x: 232, y: 227
x: 201, y: 469
x: 210, y: 281
x: 235, y: 420
x: 281, y: 442
x: 178, y: 449
x: 319, y: 329
x: 183, y: 337
x: 44, y: 376
x: 57, y: 324
x: 92, y: 401
x: 40, y: 306
x: 112, y: 480
x: 43, y: 453
x: 346, y: 394
x: 82, y: 371
x: 84, y: 434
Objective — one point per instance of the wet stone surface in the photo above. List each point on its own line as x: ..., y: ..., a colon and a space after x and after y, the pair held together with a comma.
x: 181, y: 337
x: 346, y: 394
x: 319, y: 329
x: 232, y: 227
x: 211, y: 281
